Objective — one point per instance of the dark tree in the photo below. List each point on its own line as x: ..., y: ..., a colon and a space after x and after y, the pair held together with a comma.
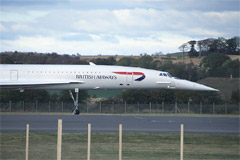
x: 192, y: 52
x: 213, y: 63
x: 27, y: 96
x: 233, y: 46
x: 104, y: 61
x: 145, y: 62
x: 125, y: 61
x: 146, y: 96
x: 235, y: 97
x: 231, y: 68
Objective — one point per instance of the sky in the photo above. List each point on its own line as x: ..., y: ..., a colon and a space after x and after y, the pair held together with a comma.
x: 113, y: 27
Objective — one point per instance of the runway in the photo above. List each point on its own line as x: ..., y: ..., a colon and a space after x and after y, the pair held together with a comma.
x: 110, y: 123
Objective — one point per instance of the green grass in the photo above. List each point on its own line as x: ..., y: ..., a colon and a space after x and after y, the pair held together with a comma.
x: 137, y: 146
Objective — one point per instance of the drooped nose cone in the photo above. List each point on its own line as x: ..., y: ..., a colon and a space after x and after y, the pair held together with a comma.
x: 188, y: 85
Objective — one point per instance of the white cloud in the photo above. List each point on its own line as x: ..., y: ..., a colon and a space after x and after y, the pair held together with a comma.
x: 95, y: 37
x: 32, y: 43
x: 23, y: 16
x: 205, y: 32
x: 2, y: 28
x: 21, y: 27
x: 143, y: 21
x: 124, y: 45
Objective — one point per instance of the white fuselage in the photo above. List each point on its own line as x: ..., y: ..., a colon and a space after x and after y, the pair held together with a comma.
x: 89, y: 77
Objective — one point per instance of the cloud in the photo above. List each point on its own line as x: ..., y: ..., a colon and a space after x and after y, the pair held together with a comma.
x: 31, y: 3
x: 31, y: 43
x: 113, y: 27
x: 183, y: 5
x: 205, y: 32
x: 21, y: 27
x: 190, y: 5
x: 144, y: 21
x: 21, y: 16
x: 97, y: 45
x: 2, y: 28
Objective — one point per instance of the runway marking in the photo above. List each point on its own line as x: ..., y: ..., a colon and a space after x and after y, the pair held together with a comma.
x: 139, y: 118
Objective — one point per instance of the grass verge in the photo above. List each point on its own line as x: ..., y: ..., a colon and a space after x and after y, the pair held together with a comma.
x: 137, y: 146
x: 122, y: 114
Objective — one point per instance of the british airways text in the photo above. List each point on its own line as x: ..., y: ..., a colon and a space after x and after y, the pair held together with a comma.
x: 96, y: 77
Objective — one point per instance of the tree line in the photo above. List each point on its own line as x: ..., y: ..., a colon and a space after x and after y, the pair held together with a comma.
x: 208, y: 46
x: 39, y: 58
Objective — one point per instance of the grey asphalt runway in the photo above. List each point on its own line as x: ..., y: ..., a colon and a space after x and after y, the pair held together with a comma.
x: 110, y: 123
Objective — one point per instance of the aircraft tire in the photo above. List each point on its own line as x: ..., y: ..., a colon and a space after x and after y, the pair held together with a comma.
x: 76, y: 112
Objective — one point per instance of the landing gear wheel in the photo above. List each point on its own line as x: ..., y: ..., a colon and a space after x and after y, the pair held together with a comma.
x: 76, y: 112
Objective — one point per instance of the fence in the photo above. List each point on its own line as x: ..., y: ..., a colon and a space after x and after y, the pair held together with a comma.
x: 120, y: 107
x: 59, y: 141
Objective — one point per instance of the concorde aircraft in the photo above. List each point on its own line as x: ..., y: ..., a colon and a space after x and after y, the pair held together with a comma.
x: 66, y: 77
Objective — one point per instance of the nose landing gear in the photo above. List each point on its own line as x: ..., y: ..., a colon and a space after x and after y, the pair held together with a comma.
x: 76, y: 110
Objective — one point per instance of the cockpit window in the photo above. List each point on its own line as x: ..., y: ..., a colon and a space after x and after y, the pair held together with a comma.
x: 169, y: 75
x: 165, y: 74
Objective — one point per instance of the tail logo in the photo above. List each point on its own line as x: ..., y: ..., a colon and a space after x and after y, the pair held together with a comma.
x: 134, y: 74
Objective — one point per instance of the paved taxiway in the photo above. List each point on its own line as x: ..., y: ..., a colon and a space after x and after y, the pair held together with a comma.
x: 110, y: 123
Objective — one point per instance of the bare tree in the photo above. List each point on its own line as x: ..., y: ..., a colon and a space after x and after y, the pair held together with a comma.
x: 183, y: 48
x: 200, y: 47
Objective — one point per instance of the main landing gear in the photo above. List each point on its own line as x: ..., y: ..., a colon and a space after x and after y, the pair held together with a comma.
x: 76, y: 110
